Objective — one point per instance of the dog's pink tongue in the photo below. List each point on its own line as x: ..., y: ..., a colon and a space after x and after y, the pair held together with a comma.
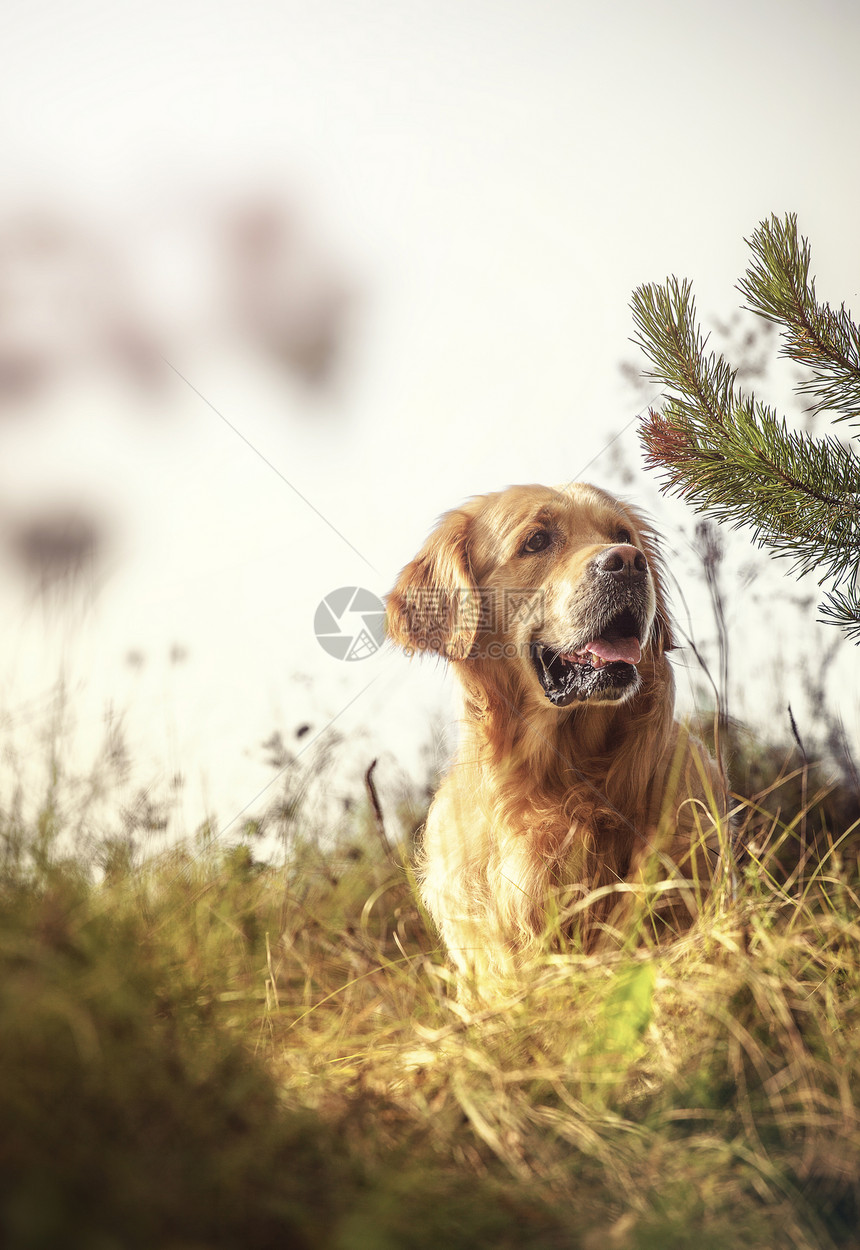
x: 626, y: 649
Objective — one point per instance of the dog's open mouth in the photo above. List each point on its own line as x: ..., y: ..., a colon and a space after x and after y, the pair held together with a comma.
x: 605, y: 667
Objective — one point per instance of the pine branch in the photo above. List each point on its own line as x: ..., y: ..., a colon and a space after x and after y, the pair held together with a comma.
x: 734, y: 457
x: 843, y: 611
x: 796, y: 493
x: 778, y: 287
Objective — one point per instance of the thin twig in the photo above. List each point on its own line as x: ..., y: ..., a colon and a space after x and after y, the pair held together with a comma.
x: 378, y: 819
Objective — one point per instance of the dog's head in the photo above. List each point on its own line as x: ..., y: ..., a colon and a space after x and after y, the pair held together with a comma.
x: 562, y: 584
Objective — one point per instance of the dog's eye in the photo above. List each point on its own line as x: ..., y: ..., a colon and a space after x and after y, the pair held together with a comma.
x: 623, y: 536
x: 538, y: 541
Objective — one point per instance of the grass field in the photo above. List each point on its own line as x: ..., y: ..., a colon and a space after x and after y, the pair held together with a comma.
x: 198, y: 1050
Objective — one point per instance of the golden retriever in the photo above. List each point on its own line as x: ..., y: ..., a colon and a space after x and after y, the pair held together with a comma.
x: 576, y: 804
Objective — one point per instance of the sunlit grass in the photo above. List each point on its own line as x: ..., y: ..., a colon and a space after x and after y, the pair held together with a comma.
x: 197, y: 1049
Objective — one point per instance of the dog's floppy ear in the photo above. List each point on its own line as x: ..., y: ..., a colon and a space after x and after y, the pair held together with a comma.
x: 435, y: 604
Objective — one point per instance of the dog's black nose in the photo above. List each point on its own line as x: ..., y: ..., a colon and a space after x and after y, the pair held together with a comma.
x: 624, y: 561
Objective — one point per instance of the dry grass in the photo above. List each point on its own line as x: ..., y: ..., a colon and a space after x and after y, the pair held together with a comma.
x: 202, y: 1051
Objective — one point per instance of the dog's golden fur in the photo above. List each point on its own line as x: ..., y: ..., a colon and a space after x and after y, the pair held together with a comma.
x: 555, y: 821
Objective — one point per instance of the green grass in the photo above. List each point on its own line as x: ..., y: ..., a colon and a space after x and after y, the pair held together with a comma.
x: 200, y: 1051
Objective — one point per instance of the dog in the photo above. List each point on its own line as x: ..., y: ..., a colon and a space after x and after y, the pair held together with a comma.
x: 577, y: 809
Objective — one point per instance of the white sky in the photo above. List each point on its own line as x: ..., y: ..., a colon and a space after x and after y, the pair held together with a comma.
x: 497, y: 177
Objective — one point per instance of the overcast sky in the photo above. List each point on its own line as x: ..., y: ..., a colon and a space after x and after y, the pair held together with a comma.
x: 494, y: 179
